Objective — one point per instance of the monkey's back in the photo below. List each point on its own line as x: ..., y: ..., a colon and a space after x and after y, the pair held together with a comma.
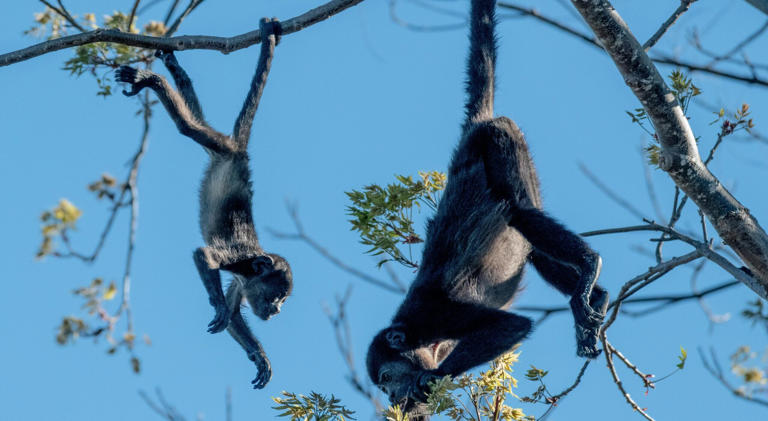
x: 470, y: 250
x: 225, y: 201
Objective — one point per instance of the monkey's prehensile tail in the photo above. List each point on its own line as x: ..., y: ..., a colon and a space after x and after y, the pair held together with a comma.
x: 481, y: 61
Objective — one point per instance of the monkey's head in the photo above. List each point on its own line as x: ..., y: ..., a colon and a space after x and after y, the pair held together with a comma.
x: 268, y: 285
x: 402, y: 374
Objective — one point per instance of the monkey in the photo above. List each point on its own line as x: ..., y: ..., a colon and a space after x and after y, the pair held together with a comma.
x: 489, y: 224
x: 263, y: 280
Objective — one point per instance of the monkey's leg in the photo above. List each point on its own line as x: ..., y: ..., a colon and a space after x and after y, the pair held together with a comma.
x: 183, y: 83
x: 565, y: 277
x: 270, y: 36
x: 511, y: 177
x: 212, y: 282
x: 243, y: 335
x: 558, y: 244
x: 177, y: 108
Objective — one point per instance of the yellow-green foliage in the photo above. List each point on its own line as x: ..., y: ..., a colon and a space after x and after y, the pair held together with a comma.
x: 98, y: 59
x: 753, y: 377
x: 314, y: 407
x: 56, y: 222
x: 471, y: 397
x: 384, y: 215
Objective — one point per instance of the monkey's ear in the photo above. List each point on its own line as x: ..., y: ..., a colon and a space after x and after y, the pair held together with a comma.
x: 396, y: 338
x: 262, y: 264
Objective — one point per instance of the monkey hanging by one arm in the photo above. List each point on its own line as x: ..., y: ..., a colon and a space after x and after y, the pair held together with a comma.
x: 488, y: 225
x: 262, y: 279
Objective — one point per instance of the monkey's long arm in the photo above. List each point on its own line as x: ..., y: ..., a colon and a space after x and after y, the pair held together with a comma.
x: 212, y: 282
x: 183, y: 83
x: 493, y: 333
x: 243, y: 335
x: 187, y: 124
x: 270, y: 30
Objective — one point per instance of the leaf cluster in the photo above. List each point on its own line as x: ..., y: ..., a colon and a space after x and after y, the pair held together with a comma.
x: 383, y: 215
x: 101, y: 58
x: 471, y: 397
x: 56, y: 223
x: 314, y: 407
x: 754, y: 378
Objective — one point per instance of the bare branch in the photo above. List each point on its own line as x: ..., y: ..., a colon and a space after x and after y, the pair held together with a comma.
x: 610, y: 193
x: 132, y: 15
x: 187, y: 42
x: 616, y: 379
x: 62, y: 11
x: 684, y: 5
x: 661, y: 60
x: 680, y: 156
x: 161, y: 407
x: 343, y: 335
x: 175, y: 25
x: 301, y: 235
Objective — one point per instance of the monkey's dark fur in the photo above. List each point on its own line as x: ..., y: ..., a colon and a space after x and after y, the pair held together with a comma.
x: 488, y: 225
x: 263, y: 279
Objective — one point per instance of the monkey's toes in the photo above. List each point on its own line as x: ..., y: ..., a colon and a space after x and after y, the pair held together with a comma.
x: 126, y: 74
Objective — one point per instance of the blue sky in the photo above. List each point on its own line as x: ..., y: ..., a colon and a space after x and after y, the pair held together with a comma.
x: 350, y: 101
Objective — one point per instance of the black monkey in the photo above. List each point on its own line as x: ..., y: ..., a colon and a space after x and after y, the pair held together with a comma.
x: 262, y: 279
x: 488, y: 225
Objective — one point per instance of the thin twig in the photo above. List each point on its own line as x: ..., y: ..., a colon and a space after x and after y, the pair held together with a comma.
x: 610, y: 193
x: 684, y: 5
x: 617, y: 380
x: 301, y: 235
x: 132, y: 15
x: 62, y: 11
x: 175, y: 25
x: 171, y: 10
x: 591, y: 40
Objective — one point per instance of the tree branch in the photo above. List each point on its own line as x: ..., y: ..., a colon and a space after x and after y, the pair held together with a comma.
x: 661, y: 60
x: 680, y: 156
x: 180, y: 43
x: 684, y: 5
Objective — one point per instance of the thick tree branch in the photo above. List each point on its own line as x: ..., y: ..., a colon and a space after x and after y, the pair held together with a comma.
x: 186, y: 42
x: 680, y: 156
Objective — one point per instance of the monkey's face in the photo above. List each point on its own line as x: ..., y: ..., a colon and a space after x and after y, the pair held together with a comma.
x: 269, y: 286
x: 395, y: 372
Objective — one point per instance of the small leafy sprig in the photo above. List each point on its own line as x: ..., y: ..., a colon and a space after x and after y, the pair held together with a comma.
x: 314, y: 407
x: 684, y: 91
x: 754, y: 379
x: 472, y: 397
x: 384, y: 215
x: 91, y: 58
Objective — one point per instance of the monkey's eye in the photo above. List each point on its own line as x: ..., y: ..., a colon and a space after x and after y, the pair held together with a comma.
x: 385, y: 378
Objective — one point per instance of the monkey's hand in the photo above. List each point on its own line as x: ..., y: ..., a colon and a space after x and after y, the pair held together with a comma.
x: 221, y: 319
x: 423, y: 385
x: 264, y: 367
x: 139, y: 79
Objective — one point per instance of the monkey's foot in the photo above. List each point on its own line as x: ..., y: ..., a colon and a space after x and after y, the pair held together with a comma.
x: 588, y: 324
x: 265, y: 370
x: 139, y: 79
x: 220, y: 320
x: 586, y: 342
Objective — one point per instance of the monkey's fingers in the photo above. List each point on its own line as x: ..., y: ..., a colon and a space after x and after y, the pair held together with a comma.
x: 220, y: 321
x: 261, y: 380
